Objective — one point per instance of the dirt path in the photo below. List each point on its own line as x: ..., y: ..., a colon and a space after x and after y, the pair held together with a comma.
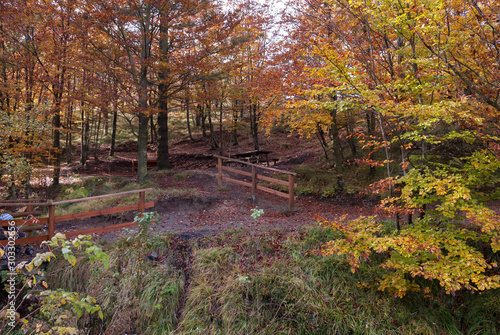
x: 215, y: 211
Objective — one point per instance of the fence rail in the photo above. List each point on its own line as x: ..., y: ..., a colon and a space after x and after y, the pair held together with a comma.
x: 256, y: 177
x: 51, y: 219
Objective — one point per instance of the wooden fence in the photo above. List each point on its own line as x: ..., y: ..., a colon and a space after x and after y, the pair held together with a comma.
x: 256, y: 177
x: 52, y: 218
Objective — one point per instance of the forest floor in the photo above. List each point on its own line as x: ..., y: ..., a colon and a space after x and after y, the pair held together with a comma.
x: 210, y: 210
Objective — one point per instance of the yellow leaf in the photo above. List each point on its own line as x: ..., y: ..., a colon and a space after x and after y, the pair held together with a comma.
x: 29, y: 267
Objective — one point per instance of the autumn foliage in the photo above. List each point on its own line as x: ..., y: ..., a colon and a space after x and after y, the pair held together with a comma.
x: 410, y: 89
x: 417, y: 84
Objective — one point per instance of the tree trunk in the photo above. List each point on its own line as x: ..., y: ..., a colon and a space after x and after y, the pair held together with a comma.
x: 57, y: 147
x: 213, y: 140
x: 337, y: 152
x: 235, y: 123
x: 97, y: 137
x: 85, y: 136
x: 188, y: 118
x: 163, y: 154
x: 142, y: 148
x: 321, y: 137
x: 388, y: 166
x: 370, y: 125
x: 203, y: 116
x: 106, y: 123
x: 142, y: 140
x: 154, y: 134
x: 350, y: 137
x: 220, y: 128
x: 254, y: 125
x: 113, y: 133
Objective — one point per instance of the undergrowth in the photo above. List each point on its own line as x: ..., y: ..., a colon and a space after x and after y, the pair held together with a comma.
x: 319, y: 180
x: 137, y: 294
x: 244, y: 282
x: 93, y: 186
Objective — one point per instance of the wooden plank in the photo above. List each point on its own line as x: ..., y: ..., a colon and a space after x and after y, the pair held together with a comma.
x: 99, y: 197
x: 230, y: 169
x: 270, y: 190
x: 256, y: 165
x: 18, y: 214
x: 17, y: 204
x: 26, y: 240
x: 25, y: 200
x: 273, y: 180
x: 236, y: 181
x: 254, y: 181
x: 102, y: 212
x: 21, y: 222
x: 291, y: 198
x: 52, y: 218
x: 100, y: 229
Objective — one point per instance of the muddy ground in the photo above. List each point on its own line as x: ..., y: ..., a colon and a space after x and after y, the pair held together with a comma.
x: 212, y: 211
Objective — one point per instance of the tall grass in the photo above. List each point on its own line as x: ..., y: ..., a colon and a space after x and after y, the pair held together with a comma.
x: 135, y: 293
x: 245, y: 282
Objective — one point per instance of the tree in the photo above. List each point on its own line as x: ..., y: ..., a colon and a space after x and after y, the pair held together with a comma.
x: 130, y: 27
x: 406, y: 62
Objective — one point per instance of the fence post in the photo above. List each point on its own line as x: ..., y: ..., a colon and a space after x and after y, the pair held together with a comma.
x: 291, y: 198
x: 254, y: 181
x: 219, y: 165
x: 142, y: 201
x: 52, y: 220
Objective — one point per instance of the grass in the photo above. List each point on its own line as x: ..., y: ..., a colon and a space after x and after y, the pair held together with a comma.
x: 183, y: 175
x: 134, y: 293
x: 244, y: 282
x: 92, y: 186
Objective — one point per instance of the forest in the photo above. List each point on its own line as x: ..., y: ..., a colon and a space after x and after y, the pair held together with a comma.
x: 387, y: 112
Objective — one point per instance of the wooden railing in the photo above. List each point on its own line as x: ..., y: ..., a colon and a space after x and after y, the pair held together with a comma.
x: 256, y: 177
x: 52, y: 219
x: 28, y: 207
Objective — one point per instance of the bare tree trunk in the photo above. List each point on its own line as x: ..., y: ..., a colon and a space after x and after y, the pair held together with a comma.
x: 154, y: 134
x: 350, y: 137
x: 113, y: 133
x: 106, y: 123
x: 254, y: 125
x: 213, y: 141
x: 142, y: 149
x: 142, y: 140
x: 220, y: 128
x: 203, y: 116
x: 188, y: 122
x: 337, y: 151
x: 85, y: 136
x: 370, y: 124
x: 69, y: 143
x: 97, y: 137
x: 388, y: 166
x: 321, y: 137
x: 163, y: 154
x: 235, y: 123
